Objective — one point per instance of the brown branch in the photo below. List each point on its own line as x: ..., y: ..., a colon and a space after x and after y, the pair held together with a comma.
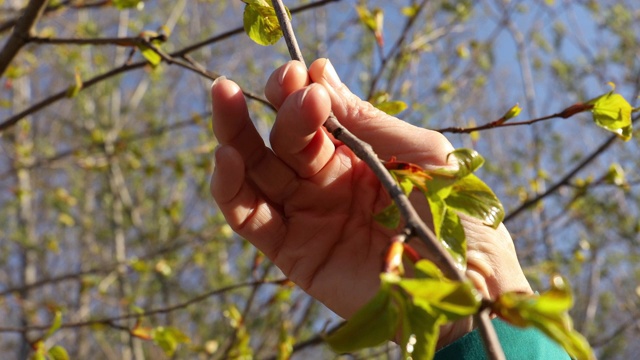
x: 564, y: 114
x: 123, y: 141
x: 21, y: 32
x: 496, y: 124
x: 488, y: 334
x: 163, y: 310
x: 102, y: 269
x: 395, y: 49
x: 11, y: 121
x: 604, y: 340
x: 123, y: 41
x: 563, y: 181
x: 51, y: 8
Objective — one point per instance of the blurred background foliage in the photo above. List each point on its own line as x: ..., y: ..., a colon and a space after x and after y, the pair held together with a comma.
x: 107, y: 228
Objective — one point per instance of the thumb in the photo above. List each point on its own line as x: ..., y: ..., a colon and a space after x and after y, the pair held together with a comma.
x: 388, y: 135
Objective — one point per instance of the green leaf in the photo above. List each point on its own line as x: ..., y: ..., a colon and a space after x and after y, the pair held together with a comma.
x: 510, y: 114
x: 261, y: 22
x: 473, y: 197
x: 549, y: 312
x: 468, y: 161
x: 424, y: 329
x: 55, y: 325
x: 392, y: 107
x: 372, y: 325
x: 453, y: 236
x: 241, y: 347
x: 168, y: 338
x: 389, y: 217
x: 438, y: 212
x: 373, y: 20
x: 612, y: 112
x: 152, y: 57
x: 74, y: 90
x: 126, y: 4
x: 453, y: 299
x: 57, y: 352
x: 448, y: 229
x: 39, y: 351
x: 410, y: 310
x: 615, y: 175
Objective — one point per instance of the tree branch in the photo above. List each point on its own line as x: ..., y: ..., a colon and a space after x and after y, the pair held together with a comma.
x: 21, y: 32
x: 564, y: 181
x: 51, y: 8
x: 157, y: 311
x: 11, y: 121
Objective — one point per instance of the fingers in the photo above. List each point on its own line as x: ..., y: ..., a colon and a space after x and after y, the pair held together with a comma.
x: 232, y: 126
x: 297, y: 136
x: 285, y: 80
x: 388, y: 135
x: 244, y: 209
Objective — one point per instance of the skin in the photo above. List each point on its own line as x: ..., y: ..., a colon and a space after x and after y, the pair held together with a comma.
x: 307, y: 202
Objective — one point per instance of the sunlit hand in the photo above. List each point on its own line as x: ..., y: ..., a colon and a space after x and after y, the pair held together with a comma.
x: 307, y: 202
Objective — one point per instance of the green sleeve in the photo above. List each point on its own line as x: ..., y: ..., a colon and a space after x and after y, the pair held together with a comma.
x: 517, y: 343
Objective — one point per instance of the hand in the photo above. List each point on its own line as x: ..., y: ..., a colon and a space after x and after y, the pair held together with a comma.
x: 308, y: 203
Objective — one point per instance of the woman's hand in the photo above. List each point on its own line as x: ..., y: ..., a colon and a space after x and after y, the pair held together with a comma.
x: 307, y: 202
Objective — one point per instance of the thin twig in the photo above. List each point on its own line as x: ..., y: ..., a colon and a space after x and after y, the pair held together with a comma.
x: 147, y: 313
x: 122, y: 41
x: 489, y: 335
x: 11, y: 121
x: 496, y: 125
x: 564, y: 181
x: 395, y: 49
x: 21, y: 32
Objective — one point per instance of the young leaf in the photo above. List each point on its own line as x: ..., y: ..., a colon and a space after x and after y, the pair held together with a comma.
x: 612, y: 112
x: 241, y: 348
x: 420, y: 341
x: 168, y: 338
x: 373, y: 21
x: 454, y: 238
x: 152, y: 57
x: 510, y: 114
x: 74, y: 90
x: 549, y: 312
x: 407, y: 175
x: 468, y: 161
x: 453, y: 299
x: 372, y: 325
x: 55, y: 325
x: 615, y: 175
x: 392, y: 107
x: 261, y: 22
x: 142, y: 332
x: 473, y: 197
x: 57, y: 352
x: 126, y: 4
x: 389, y: 217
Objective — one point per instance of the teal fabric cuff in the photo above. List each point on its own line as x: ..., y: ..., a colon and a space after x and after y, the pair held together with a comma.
x: 517, y: 343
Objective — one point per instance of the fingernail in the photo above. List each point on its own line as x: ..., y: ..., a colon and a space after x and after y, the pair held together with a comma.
x: 283, y: 73
x: 218, y: 79
x: 304, y: 95
x: 330, y: 74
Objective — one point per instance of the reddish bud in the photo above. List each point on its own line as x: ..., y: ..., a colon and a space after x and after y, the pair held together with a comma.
x: 574, y: 109
x: 393, y: 258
